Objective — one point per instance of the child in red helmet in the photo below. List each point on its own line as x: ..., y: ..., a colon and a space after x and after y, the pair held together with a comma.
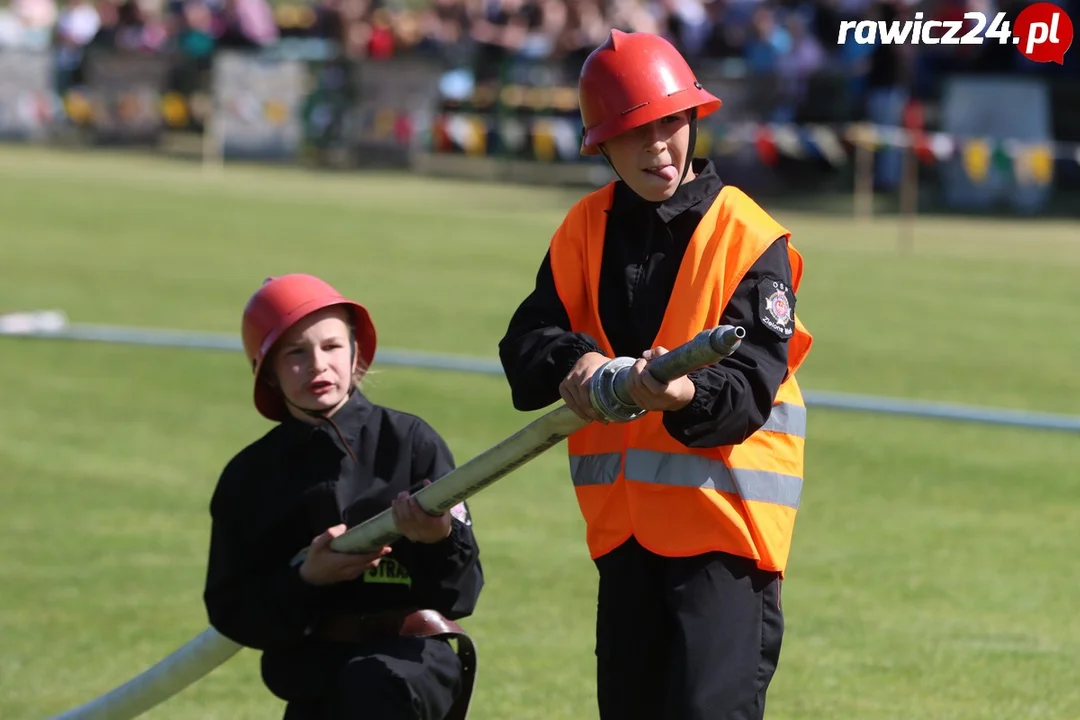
x: 689, y: 509
x: 340, y: 633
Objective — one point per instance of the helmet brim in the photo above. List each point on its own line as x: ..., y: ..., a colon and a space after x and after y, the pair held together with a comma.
x: 705, y: 102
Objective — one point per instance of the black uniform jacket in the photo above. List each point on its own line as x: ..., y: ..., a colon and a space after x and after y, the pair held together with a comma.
x: 281, y: 491
x: 643, y: 247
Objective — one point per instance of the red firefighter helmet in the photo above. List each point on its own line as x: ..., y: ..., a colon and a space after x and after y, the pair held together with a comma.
x: 634, y: 79
x: 275, y: 307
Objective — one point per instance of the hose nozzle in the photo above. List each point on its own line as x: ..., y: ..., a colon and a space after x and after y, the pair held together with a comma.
x: 608, y: 392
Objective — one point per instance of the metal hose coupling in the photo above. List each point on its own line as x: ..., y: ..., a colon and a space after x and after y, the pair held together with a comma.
x: 608, y: 387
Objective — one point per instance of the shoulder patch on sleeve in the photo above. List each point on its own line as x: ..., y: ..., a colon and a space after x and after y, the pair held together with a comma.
x: 461, y: 514
x: 776, y: 307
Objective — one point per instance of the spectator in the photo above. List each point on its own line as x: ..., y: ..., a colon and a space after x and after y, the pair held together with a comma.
x: 500, y: 29
x: 380, y: 44
x: 36, y: 18
x: 635, y: 16
x: 248, y: 23
x: 769, y: 42
x: 726, y: 39
x: 805, y: 58
x: 128, y: 28
x: 687, y: 25
x: 584, y: 29
x: 328, y: 21
x: 35, y: 15
x: 195, y: 37
x: 887, y: 94
x: 76, y: 26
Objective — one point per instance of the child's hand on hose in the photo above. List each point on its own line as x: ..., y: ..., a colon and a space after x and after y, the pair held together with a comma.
x: 323, y: 566
x: 574, y: 389
x: 651, y: 394
x: 417, y: 525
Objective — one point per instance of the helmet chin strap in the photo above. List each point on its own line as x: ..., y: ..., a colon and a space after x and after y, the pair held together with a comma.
x: 690, y: 147
x: 324, y: 417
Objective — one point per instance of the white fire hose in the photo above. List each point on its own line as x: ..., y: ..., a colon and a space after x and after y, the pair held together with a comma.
x: 209, y: 649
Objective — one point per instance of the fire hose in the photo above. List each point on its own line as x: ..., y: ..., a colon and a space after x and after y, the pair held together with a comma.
x: 609, y: 397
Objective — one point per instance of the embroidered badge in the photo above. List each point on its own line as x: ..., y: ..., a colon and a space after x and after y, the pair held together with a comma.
x: 776, y: 307
x: 388, y: 572
x: 461, y: 513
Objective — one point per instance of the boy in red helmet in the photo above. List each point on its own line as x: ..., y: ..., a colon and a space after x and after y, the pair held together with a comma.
x: 688, y: 509
x: 340, y: 633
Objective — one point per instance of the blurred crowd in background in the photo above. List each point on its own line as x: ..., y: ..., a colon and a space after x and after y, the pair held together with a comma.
x: 791, y: 40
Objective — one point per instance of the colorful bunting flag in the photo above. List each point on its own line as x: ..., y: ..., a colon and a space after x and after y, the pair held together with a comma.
x: 384, y: 123
x: 403, y: 127
x: 1001, y: 157
x: 467, y: 132
x: 864, y: 135
x: 704, y: 146
x: 555, y: 138
x: 174, y: 110
x: 942, y: 146
x: 786, y: 140
x: 765, y: 146
x: 923, y: 149
x: 828, y: 144
x: 514, y: 133
x: 567, y: 139
x: 1034, y: 165
x: 543, y: 141
x: 976, y: 159
x: 440, y: 142
x: 893, y: 137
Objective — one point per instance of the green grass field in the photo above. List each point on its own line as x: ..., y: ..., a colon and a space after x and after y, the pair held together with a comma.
x: 933, y: 573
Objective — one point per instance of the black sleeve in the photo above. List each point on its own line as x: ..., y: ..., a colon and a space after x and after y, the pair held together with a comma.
x: 446, y: 576
x: 539, y: 349
x: 734, y: 398
x: 254, y: 606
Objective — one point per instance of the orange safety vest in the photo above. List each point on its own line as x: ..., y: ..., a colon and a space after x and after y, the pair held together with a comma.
x: 634, y: 479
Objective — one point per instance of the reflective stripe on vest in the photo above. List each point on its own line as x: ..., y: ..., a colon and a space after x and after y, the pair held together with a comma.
x: 684, y: 470
x: 678, y: 470
x: 788, y: 419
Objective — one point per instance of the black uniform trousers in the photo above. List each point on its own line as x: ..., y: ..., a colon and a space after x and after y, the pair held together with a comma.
x: 393, y: 678
x: 695, y: 638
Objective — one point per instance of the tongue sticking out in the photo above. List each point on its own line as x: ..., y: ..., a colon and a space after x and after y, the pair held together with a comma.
x: 668, y: 172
